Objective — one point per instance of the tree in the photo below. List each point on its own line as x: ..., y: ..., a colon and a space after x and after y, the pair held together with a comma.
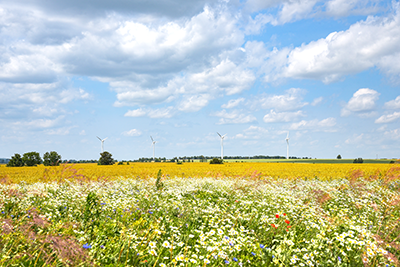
x: 32, y: 158
x: 359, y: 160
x: 216, y: 161
x: 339, y: 157
x: 16, y: 161
x: 51, y: 158
x: 106, y: 159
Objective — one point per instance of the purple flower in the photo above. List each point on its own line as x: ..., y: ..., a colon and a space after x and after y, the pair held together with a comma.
x: 87, y: 246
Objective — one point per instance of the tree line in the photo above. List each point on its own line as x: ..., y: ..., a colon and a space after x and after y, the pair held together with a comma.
x: 51, y: 158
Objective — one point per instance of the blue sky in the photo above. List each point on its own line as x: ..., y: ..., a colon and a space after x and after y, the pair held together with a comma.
x: 327, y: 72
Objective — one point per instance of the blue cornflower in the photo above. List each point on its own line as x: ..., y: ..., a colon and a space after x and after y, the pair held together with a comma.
x: 253, y: 253
x: 226, y: 261
x: 101, y: 246
x: 262, y: 246
x: 87, y: 246
x: 235, y: 259
x: 226, y: 237
x: 150, y: 212
x: 339, y: 258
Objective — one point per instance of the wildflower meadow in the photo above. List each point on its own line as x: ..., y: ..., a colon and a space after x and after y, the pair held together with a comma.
x: 240, y: 219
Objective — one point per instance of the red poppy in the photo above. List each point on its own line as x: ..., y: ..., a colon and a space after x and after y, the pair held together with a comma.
x: 277, y: 215
x: 286, y: 221
x: 284, y: 214
x: 273, y: 225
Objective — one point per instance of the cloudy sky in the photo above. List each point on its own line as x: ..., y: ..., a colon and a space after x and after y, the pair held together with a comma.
x: 327, y: 71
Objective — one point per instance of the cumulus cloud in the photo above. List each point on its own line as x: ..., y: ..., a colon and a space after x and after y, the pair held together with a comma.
x: 339, y: 8
x: 274, y: 116
x: 132, y: 132
x: 30, y: 99
x: 317, y: 101
x: 90, y: 8
x: 291, y: 100
x: 388, y: 118
x: 253, y: 132
x: 361, y: 102
x: 326, y: 125
x: 234, y: 117
x: 393, y: 104
x: 159, y: 113
x: 392, y: 134
x: 233, y: 103
x: 293, y: 10
x: 366, y: 44
x: 355, y: 139
x: 194, y: 102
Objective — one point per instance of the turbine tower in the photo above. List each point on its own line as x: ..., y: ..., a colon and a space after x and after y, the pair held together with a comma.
x: 222, y: 144
x: 154, y: 148
x: 287, y: 141
x: 102, y: 143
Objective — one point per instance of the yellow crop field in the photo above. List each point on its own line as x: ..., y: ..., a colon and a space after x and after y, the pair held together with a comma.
x: 251, y: 170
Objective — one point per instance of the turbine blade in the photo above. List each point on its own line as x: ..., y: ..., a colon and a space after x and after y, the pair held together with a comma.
x: 219, y: 134
x: 98, y: 138
x: 151, y: 138
x: 105, y: 138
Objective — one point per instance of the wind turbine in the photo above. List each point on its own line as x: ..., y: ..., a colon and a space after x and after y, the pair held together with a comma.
x: 287, y: 141
x: 154, y: 148
x: 222, y: 144
x: 102, y: 143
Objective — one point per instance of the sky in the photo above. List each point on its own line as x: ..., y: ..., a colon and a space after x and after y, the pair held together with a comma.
x: 326, y: 72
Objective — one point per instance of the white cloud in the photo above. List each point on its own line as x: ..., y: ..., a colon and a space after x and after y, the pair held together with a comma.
x: 361, y: 102
x: 132, y: 132
x: 273, y: 116
x: 253, y: 132
x: 392, y: 134
x: 355, y: 139
x: 366, y: 44
x: 295, y: 10
x: 136, y: 113
x: 234, y: 117
x: 60, y: 131
x: 317, y: 101
x: 388, y: 118
x: 341, y: 8
x: 393, y: 104
x: 291, y: 100
x: 233, y: 103
x: 325, y: 125
x: 39, y: 123
x: 167, y: 112
x: 194, y: 103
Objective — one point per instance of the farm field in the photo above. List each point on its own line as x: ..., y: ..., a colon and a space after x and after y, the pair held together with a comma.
x: 95, y: 172
x: 197, y: 214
